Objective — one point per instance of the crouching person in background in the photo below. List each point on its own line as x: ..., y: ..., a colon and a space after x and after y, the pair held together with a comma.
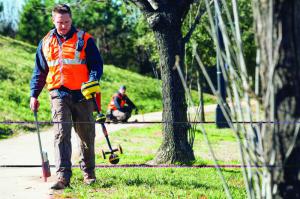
x: 120, y: 106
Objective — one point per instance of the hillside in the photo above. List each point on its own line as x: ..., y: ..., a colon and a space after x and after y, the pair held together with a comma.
x: 16, y: 65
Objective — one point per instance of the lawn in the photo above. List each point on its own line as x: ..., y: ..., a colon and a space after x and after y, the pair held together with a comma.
x: 140, y: 145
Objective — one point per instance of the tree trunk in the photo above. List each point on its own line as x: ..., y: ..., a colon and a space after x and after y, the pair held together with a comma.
x: 175, y: 146
x: 165, y: 18
x: 281, y: 140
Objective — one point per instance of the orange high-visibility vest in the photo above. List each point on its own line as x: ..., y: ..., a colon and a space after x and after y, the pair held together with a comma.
x: 112, y: 106
x: 67, y: 65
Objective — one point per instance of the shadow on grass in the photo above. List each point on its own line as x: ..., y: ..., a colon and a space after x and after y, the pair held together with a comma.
x: 23, y: 46
x: 232, y: 170
x: 5, y: 132
x: 8, y: 131
x: 173, y: 183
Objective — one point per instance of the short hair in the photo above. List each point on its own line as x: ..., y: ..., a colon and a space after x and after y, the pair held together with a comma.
x: 61, y: 9
x: 122, y: 87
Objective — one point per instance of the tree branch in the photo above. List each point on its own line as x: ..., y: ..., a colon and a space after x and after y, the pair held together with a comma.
x: 200, y: 13
x: 145, y: 5
x: 184, y: 8
x: 154, y: 4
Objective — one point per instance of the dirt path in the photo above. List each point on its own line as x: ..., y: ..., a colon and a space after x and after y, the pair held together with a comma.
x: 23, y: 150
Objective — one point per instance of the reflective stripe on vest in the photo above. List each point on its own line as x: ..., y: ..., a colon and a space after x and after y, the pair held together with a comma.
x: 67, y: 65
x: 65, y: 61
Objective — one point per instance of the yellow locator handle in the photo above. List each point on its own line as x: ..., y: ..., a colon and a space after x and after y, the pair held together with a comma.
x: 88, y: 89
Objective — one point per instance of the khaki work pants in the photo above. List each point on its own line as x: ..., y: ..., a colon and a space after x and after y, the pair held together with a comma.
x: 68, y: 112
x: 121, y: 116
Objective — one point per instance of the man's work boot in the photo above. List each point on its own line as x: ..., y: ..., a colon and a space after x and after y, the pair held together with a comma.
x: 89, y: 178
x: 61, y: 183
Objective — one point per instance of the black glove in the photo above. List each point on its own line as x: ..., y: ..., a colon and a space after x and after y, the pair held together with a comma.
x: 100, y: 118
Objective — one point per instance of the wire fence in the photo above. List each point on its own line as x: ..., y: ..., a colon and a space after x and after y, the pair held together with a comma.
x: 152, y: 122
x: 206, y: 166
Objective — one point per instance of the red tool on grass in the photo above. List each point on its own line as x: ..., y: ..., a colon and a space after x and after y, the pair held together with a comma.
x: 44, y: 156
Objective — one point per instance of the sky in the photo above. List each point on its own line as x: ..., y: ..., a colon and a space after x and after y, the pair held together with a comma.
x: 11, y: 11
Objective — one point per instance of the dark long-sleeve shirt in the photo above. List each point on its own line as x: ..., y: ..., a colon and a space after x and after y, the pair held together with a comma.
x: 117, y: 102
x: 40, y: 71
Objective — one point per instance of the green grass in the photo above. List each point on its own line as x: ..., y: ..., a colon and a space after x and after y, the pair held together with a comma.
x: 217, y: 135
x: 157, y: 183
x: 16, y: 65
x: 140, y: 145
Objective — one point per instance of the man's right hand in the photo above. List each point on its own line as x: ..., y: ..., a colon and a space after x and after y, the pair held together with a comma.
x: 88, y: 89
x: 34, y: 104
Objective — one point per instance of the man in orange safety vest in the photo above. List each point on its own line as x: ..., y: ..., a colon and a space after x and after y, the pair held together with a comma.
x: 67, y: 58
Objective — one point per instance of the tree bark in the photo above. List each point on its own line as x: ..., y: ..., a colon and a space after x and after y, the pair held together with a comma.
x: 281, y: 140
x: 165, y: 18
x: 175, y: 146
